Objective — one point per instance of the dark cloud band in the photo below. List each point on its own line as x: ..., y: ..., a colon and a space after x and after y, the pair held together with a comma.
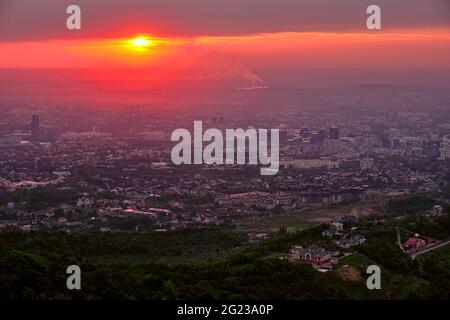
x: 45, y: 19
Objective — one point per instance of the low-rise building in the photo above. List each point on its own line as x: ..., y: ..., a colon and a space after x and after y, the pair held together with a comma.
x: 414, y: 243
x: 350, y: 242
x: 337, y: 226
x: 312, y: 254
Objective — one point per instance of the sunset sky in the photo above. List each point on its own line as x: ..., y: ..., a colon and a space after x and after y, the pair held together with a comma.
x: 223, y: 38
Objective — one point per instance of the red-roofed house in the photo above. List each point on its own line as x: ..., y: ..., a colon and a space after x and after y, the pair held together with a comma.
x: 414, y: 243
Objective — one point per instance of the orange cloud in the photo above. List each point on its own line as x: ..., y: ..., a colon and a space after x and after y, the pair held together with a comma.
x: 301, y: 49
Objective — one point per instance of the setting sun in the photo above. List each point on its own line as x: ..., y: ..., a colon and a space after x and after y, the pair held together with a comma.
x: 141, y: 42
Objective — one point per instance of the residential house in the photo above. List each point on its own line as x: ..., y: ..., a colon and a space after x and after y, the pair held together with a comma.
x: 337, y: 226
x: 312, y: 254
x: 414, y: 243
x: 350, y: 242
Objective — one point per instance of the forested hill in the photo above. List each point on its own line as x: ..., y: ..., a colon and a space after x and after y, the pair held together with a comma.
x: 211, y: 263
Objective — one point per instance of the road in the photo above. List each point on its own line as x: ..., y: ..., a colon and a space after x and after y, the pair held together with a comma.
x: 413, y: 256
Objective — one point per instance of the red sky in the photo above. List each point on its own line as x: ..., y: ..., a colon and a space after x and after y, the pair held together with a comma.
x: 215, y: 39
x: 426, y: 49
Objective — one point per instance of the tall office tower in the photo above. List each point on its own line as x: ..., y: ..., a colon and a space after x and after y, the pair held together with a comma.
x: 331, y: 146
x: 315, y: 138
x: 334, y: 133
x: 49, y: 134
x: 445, y: 148
x: 322, y: 134
x: 283, y: 137
x: 395, y: 143
x: 35, y: 130
x: 434, y: 136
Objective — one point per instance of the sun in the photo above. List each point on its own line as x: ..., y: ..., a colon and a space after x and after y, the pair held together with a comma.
x: 141, y: 41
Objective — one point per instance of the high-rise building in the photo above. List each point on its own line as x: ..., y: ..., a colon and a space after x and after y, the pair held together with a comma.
x: 35, y: 129
x: 49, y: 134
x: 333, y: 133
x: 434, y: 136
x: 395, y: 143
x: 331, y: 146
x: 445, y: 148
x: 315, y: 138
x: 322, y: 134
x: 283, y: 137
